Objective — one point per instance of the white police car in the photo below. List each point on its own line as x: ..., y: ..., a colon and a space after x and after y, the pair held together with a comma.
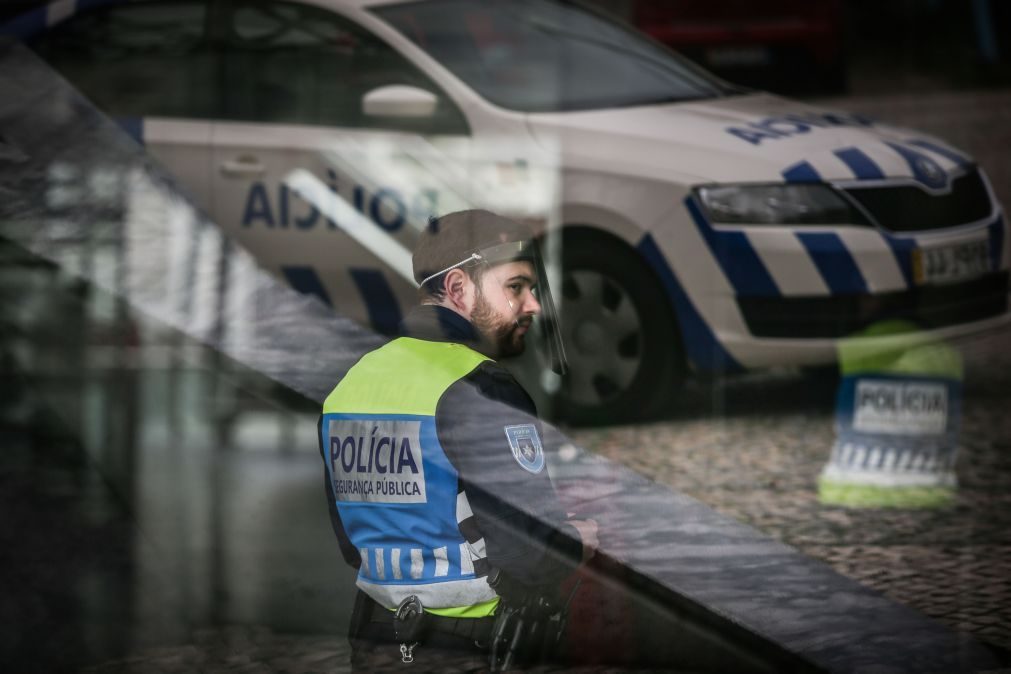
x: 702, y: 225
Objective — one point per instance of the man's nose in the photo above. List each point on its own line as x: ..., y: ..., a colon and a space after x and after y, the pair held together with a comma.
x: 531, y: 305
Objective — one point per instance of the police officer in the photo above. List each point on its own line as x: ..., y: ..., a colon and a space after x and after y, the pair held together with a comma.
x: 435, y: 463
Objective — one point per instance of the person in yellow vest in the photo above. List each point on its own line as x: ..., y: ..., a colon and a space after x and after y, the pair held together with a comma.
x: 434, y: 458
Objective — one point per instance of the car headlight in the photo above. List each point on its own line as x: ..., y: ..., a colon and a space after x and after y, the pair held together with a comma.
x: 777, y: 204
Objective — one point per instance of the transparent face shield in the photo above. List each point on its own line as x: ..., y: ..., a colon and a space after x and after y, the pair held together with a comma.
x: 514, y: 297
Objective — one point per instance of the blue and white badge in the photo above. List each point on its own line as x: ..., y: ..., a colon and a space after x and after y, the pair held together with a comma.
x: 526, y: 446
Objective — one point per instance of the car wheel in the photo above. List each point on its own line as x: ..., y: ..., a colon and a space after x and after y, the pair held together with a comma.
x: 621, y: 340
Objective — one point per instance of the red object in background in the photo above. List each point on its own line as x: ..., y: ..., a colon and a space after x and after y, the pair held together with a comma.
x: 602, y: 622
x: 602, y: 626
x: 792, y: 44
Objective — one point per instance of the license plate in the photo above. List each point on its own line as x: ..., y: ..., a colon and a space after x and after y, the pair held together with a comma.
x: 947, y: 264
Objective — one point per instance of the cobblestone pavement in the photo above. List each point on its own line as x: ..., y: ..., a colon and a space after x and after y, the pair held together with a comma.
x: 754, y: 448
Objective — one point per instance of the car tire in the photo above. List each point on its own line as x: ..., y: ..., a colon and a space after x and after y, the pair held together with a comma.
x: 622, y: 342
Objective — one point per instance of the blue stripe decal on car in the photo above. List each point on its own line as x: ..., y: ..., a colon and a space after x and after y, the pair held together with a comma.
x: 959, y: 159
x: 801, y: 172
x: 925, y: 169
x: 735, y: 255
x: 382, y: 305
x: 26, y: 26
x: 834, y: 262
x: 306, y: 281
x: 863, y: 167
x: 996, y: 243
x: 133, y: 126
x: 701, y: 345
x: 903, y: 249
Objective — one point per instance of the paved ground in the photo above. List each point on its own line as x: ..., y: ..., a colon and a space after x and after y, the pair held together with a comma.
x: 754, y: 449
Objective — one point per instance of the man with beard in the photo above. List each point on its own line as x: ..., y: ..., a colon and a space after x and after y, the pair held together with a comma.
x: 435, y: 467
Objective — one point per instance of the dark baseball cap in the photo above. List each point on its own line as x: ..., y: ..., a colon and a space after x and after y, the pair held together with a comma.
x: 452, y: 238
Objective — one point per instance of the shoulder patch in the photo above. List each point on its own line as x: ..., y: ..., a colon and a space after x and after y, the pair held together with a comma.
x: 526, y: 446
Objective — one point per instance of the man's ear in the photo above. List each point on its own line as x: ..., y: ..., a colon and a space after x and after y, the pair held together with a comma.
x: 459, y: 291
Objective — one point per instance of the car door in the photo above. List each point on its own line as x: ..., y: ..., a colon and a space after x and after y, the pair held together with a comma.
x: 325, y: 196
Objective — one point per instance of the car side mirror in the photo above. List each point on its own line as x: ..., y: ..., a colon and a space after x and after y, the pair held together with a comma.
x: 399, y: 100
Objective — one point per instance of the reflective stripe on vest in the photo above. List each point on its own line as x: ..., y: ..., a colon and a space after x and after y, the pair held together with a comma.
x: 395, y: 489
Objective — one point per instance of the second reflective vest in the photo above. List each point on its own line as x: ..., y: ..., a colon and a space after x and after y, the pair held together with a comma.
x: 395, y: 489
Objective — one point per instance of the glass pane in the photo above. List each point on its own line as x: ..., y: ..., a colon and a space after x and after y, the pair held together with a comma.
x: 539, y: 55
x: 786, y: 322
x: 138, y: 60
x: 297, y: 64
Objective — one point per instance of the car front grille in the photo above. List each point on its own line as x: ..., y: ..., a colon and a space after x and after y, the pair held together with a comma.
x: 907, y: 208
x: 845, y: 315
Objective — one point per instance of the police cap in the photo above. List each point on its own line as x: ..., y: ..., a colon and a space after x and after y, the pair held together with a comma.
x: 452, y: 238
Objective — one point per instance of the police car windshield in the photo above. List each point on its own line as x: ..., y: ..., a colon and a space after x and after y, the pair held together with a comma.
x: 549, y: 56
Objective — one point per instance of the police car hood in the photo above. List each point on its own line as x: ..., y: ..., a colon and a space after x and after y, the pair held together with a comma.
x: 757, y: 137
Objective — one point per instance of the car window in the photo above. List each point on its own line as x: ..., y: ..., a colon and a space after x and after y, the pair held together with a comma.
x: 286, y: 62
x: 545, y: 55
x: 150, y: 59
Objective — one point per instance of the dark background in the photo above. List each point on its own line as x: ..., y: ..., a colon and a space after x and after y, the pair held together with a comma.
x: 912, y: 45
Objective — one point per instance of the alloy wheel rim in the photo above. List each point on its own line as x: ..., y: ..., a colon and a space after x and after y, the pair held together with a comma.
x: 602, y: 330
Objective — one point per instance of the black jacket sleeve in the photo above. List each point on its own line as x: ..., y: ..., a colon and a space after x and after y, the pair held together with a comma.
x: 515, y: 508
x: 348, y: 550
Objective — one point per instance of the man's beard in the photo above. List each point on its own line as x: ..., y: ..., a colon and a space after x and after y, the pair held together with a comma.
x: 502, y: 334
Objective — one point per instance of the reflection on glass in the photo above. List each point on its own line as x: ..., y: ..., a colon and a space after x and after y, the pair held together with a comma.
x: 898, y: 415
x: 197, y: 475
x: 540, y: 56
